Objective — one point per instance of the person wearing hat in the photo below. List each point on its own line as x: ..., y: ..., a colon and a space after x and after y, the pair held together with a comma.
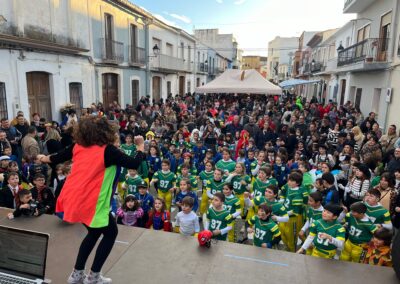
x: 358, y: 185
x: 146, y: 201
x: 326, y: 234
x: 4, y: 160
x: 371, y: 152
x: 322, y: 156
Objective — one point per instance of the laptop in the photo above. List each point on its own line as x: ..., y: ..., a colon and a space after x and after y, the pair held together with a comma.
x: 22, y: 256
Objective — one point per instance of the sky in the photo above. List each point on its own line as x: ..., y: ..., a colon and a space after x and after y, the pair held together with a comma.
x: 252, y: 22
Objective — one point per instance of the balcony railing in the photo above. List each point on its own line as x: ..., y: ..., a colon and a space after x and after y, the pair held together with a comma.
x: 316, y: 67
x: 137, y: 55
x: 168, y: 62
x: 369, y: 50
x: 112, y: 51
x: 201, y: 67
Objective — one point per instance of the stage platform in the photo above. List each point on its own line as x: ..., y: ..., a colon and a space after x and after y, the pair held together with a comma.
x: 146, y: 256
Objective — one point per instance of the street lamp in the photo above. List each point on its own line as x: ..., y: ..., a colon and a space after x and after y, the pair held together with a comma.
x: 156, y: 51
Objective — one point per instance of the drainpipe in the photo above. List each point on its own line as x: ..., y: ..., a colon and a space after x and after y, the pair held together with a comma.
x: 147, y: 53
x: 391, y: 70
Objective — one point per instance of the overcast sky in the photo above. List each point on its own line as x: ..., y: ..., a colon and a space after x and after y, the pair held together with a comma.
x: 253, y: 22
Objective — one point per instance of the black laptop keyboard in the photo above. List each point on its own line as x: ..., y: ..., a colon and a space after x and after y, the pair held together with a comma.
x: 9, y: 279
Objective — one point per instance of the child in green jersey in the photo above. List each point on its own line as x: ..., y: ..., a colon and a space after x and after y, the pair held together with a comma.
x: 314, y: 213
x: 240, y: 181
x: 232, y: 204
x: 227, y: 165
x: 185, y: 174
x: 293, y: 203
x: 218, y: 220
x: 203, y: 178
x: 326, y: 234
x: 279, y: 213
x: 360, y: 230
x: 266, y: 231
x: 215, y: 185
x: 131, y: 181
x: 165, y: 181
x: 378, y: 214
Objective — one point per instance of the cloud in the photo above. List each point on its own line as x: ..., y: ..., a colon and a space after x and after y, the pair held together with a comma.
x: 239, y: 2
x: 182, y: 18
x: 166, y: 21
x: 219, y: 1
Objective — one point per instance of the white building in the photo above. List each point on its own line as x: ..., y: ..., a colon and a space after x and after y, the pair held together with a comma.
x: 280, y: 56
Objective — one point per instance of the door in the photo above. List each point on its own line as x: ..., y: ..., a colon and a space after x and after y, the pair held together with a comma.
x: 156, y: 88
x: 110, y: 89
x: 39, y: 94
x: 181, y: 85
x: 384, y: 37
x: 358, y: 98
x: 108, y: 35
x: 3, y: 101
x: 135, y: 92
x: 133, y: 47
x: 169, y: 89
x: 75, y: 97
x: 342, y: 92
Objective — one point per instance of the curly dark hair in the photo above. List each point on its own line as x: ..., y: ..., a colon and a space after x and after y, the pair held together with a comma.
x: 94, y: 130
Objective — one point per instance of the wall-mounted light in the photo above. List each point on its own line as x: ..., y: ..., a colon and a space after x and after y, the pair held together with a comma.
x: 156, y: 50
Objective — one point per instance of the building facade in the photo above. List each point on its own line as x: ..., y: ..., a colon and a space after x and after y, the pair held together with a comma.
x: 90, y: 51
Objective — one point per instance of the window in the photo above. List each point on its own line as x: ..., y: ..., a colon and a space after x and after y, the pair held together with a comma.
x: 384, y: 36
x: 75, y: 97
x: 133, y: 47
x: 188, y: 86
x: 3, y: 101
x: 135, y: 92
x: 169, y: 88
x: 108, y: 26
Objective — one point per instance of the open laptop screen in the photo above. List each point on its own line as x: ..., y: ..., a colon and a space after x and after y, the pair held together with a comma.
x: 23, y: 251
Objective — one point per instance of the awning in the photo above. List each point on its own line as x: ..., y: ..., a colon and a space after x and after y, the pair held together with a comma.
x: 240, y: 82
x: 294, y: 82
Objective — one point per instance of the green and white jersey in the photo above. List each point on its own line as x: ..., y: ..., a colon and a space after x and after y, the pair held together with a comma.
x: 294, y: 201
x: 264, y: 230
x: 259, y: 187
x: 314, y: 214
x: 238, y: 187
x: 277, y: 208
x: 232, y: 204
x: 205, y: 176
x: 305, y: 192
x: 129, y: 150
x: 166, y: 181
x: 378, y: 214
x: 192, y: 179
x: 333, y: 229
x: 219, y: 220
x: 131, y: 183
x: 215, y: 186
x: 360, y: 231
x: 226, y: 165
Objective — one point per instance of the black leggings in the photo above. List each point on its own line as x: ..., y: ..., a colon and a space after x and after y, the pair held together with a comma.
x: 109, y: 233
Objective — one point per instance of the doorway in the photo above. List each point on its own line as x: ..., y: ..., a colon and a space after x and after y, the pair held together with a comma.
x: 342, y: 91
x: 156, y: 88
x: 39, y: 94
x: 181, y: 85
x: 110, y: 89
x: 357, y: 102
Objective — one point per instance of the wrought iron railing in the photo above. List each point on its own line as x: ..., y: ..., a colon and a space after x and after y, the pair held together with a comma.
x: 112, y: 51
x: 163, y: 61
x: 137, y: 55
x: 368, y: 50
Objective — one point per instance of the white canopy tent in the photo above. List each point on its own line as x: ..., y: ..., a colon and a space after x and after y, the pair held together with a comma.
x: 241, y: 82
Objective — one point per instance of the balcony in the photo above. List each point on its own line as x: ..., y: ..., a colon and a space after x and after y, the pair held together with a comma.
x: 201, y: 67
x: 137, y: 56
x: 369, y: 54
x: 356, y: 6
x: 316, y: 67
x: 112, y: 51
x: 169, y: 63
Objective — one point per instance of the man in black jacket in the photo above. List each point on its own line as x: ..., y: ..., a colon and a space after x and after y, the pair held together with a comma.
x: 265, y: 136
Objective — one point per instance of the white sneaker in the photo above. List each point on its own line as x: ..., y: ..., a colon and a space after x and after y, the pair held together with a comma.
x: 76, y: 277
x: 96, y: 278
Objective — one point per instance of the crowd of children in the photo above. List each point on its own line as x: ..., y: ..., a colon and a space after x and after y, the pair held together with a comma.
x: 276, y: 173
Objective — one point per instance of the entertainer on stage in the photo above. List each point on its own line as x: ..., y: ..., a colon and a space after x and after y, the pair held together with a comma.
x: 88, y: 190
